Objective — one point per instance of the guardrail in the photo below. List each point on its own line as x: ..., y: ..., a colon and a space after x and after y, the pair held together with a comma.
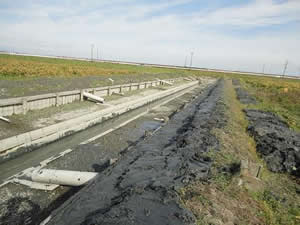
x: 22, y: 105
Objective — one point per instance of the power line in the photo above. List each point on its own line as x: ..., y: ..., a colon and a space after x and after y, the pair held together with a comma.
x: 92, y: 51
x: 191, y: 63
x: 285, y: 67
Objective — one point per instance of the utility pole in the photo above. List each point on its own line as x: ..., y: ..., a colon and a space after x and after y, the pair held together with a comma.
x: 185, y: 61
x: 192, y: 53
x: 92, y: 51
x: 263, y: 70
x: 285, y: 67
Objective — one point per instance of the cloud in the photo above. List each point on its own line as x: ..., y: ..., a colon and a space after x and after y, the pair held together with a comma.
x: 255, y: 13
x: 154, y: 32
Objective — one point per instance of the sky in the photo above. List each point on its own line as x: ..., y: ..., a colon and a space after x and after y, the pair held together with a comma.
x: 240, y: 35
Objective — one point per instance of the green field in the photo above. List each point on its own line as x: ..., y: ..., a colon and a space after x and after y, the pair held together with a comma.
x: 28, y: 66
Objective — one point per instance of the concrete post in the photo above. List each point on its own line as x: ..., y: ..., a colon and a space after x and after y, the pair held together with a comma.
x: 25, y: 106
x: 130, y: 87
x: 57, y: 100
x: 120, y: 88
x: 81, y: 95
x: 108, y: 91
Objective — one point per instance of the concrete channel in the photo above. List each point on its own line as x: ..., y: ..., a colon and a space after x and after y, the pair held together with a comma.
x: 13, y: 146
x: 92, y: 149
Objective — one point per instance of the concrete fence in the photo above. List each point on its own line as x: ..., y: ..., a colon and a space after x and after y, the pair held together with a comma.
x: 22, y: 105
x: 13, y: 146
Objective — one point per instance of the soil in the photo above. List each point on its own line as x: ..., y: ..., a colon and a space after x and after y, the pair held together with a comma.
x: 22, y: 208
x: 45, y: 117
x: 244, y: 97
x: 236, y: 82
x: 242, y: 94
x: 275, y: 141
x: 141, y: 188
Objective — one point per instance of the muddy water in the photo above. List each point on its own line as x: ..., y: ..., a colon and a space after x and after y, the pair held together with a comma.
x: 141, y: 187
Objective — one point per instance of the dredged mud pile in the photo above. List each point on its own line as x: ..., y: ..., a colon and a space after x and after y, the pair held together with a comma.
x: 141, y: 188
x: 244, y: 97
x: 19, y: 210
x: 275, y: 141
x: 242, y: 94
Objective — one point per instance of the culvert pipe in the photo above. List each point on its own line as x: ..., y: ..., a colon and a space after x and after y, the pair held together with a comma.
x: 61, y: 177
x: 93, y: 97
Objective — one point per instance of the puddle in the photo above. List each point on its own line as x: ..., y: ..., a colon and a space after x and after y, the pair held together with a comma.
x: 149, y: 126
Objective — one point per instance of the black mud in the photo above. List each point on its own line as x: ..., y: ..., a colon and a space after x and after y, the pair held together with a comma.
x: 275, y: 141
x: 19, y: 210
x: 142, y: 187
x: 244, y: 97
x: 242, y: 94
x: 236, y: 82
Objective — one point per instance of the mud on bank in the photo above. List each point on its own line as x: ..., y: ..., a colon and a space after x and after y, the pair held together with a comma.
x: 141, y: 187
x: 242, y: 94
x: 275, y: 141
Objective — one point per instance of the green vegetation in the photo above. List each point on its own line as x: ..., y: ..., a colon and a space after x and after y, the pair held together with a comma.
x: 28, y: 66
x: 281, y: 96
x: 44, y: 75
x: 240, y: 198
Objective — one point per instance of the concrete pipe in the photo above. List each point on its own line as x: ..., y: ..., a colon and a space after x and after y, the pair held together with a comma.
x: 61, y: 177
x: 93, y: 97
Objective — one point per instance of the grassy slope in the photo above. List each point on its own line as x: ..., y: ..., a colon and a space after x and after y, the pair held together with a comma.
x: 270, y: 200
x: 27, y: 66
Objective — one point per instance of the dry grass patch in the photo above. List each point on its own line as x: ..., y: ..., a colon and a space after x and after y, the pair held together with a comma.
x: 23, y: 67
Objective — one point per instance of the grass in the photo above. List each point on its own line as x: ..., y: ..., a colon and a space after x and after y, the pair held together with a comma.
x: 24, y: 75
x: 29, y: 66
x: 272, y: 199
x: 16, y: 67
x: 281, y: 96
x: 277, y: 95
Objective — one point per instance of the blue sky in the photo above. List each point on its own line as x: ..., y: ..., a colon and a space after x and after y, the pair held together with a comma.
x: 225, y: 34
